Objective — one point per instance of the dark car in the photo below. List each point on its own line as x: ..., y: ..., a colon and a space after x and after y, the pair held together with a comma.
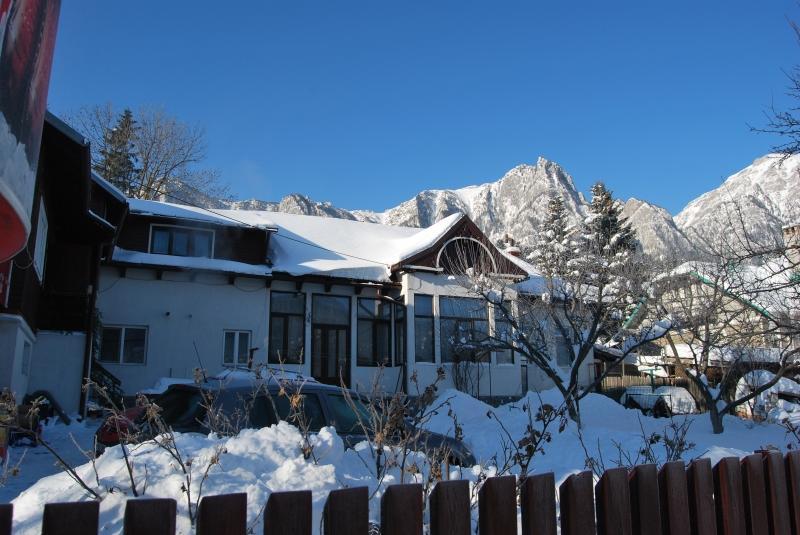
x: 244, y: 400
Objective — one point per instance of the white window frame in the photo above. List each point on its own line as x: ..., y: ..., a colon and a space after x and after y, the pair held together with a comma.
x: 153, y: 226
x: 236, y: 340
x: 40, y: 247
x: 121, y: 347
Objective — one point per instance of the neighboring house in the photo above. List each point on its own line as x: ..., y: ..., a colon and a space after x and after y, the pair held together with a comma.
x: 330, y: 298
x: 48, y: 291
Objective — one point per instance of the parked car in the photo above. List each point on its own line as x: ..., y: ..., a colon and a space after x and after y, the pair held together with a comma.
x: 254, y: 403
x: 664, y: 401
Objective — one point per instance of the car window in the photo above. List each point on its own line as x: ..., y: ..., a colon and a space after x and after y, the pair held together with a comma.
x: 181, y: 406
x: 262, y: 413
x: 311, y: 411
x: 349, y: 416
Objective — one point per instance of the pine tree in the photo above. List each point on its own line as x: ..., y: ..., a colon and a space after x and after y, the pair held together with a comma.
x: 117, y: 162
x: 608, y: 232
x: 552, y: 249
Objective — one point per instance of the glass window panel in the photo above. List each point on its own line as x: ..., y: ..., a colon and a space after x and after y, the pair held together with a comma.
x: 423, y: 340
x: 462, y: 307
x: 367, y: 308
x: 288, y: 303
x: 160, y: 244
x: 399, y: 334
x: 503, y: 332
x: 563, y: 353
x: 365, y: 343
x: 109, y: 344
x: 180, y: 242
x: 230, y: 344
x: 423, y: 305
x: 349, y: 415
x: 134, y: 347
x: 331, y: 310
x: 277, y: 345
x: 296, y: 338
x: 383, y: 342
x: 202, y: 244
x: 244, y: 347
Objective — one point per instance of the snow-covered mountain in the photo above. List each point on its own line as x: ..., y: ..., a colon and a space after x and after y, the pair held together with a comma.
x: 767, y: 193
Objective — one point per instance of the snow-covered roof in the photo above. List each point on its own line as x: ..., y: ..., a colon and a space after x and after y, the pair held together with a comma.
x: 109, y: 187
x: 303, y: 244
x: 189, y: 262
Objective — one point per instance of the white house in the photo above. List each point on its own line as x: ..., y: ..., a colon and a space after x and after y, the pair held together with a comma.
x: 334, y: 299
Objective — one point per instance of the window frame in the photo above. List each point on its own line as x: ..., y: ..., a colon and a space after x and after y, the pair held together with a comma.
x: 326, y: 327
x: 286, y: 316
x: 372, y: 361
x: 475, y: 354
x: 121, y: 347
x: 434, y: 336
x: 237, y: 338
x: 192, y: 231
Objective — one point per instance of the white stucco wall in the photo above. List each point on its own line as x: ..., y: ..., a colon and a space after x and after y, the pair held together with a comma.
x: 57, y: 367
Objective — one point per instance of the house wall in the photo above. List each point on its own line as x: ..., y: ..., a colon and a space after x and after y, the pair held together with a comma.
x: 57, y: 365
x: 180, y: 312
x: 14, y: 367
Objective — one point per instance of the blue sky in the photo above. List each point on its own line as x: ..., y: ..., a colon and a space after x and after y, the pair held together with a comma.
x: 365, y: 103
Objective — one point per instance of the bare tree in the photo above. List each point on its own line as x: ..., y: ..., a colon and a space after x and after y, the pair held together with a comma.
x: 734, y: 312
x: 167, y: 153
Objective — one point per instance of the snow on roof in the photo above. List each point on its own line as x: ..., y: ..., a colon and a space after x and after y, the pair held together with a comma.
x: 303, y: 244
x: 189, y: 262
x: 109, y: 187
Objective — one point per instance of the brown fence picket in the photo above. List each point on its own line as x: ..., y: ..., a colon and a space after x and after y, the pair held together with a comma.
x: 538, y: 502
x: 792, y: 462
x: 700, y: 479
x: 6, y: 515
x: 729, y: 499
x: 577, y: 505
x: 150, y: 517
x: 225, y: 514
x: 70, y: 518
x: 347, y: 512
x: 674, y: 493
x: 450, y: 509
x: 645, y: 500
x: 401, y: 510
x: 613, y: 503
x: 754, y: 491
x: 288, y: 513
x: 777, y: 498
x: 497, y: 506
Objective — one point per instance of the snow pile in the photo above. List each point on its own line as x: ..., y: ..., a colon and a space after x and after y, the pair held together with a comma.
x: 763, y: 404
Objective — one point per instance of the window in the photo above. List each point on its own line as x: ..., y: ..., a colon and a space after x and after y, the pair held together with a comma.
x: 463, y: 320
x: 423, y: 328
x: 374, y: 332
x: 502, y: 332
x: 237, y: 347
x: 310, y: 411
x: 40, y: 247
x: 330, y: 338
x: 125, y: 345
x: 348, y: 415
x: 399, y: 335
x: 286, y: 327
x: 563, y: 352
x: 180, y: 241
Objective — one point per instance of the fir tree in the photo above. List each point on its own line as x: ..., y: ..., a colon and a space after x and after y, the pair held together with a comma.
x: 608, y: 232
x: 117, y: 162
x: 552, y: 250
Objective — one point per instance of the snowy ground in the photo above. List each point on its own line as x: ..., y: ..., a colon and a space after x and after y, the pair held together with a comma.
x: 262, y: 461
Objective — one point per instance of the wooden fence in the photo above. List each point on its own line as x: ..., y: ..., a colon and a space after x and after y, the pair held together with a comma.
x: 759, y: 494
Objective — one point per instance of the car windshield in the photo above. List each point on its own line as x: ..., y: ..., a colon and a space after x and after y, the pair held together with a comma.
x: 349, y: 413
x: 181, y: 406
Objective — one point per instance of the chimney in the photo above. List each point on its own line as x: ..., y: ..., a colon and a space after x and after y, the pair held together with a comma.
x: 510, y: 246
x: 791, y: 239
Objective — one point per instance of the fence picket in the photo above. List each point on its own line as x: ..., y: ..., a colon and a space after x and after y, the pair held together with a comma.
x: 754, y: 491
x: 700, y: 479
x: 792, y: 462
x: 225, y: 514
x: 150, y: 517
x: 729, y: 499
x: 577, y: 505
x: 347, y: 512
x: 6, y: 515
x: 449, y: 513
x: 777, y: 498
x: 288, y: 513
x: 70, y: 518
x: 674, y: 494
x: 645, y: 500
x: 401, y: 510
x: 538, y: 501
x: 613, y: 503
x: 497, y: 506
